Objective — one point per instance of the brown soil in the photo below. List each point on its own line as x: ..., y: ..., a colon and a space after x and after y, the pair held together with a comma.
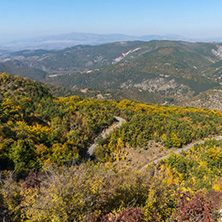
x: 138, y: 157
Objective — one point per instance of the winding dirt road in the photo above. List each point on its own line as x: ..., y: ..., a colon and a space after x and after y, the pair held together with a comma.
x: 104, y: 134
x: 120, y: 122
x: 179, y: 151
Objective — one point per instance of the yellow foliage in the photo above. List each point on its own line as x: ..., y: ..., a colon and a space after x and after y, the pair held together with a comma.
x: 217, y: 187
x: 164, y: 136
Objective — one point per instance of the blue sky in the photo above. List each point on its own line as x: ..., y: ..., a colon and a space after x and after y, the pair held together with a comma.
x: 190, y: 18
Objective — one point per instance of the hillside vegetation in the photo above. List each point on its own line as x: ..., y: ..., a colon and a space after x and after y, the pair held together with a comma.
x: 176, y: 69
x: 46, y: 177
x: 34, y: 74
x: 111, y: 94
x: 156, y: 71
x: 211, y: 98
x: 77, y: 58
x: 34, y: 125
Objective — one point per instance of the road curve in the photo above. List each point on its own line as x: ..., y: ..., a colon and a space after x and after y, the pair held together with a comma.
x: 179, y: 151
x: 104, y: 134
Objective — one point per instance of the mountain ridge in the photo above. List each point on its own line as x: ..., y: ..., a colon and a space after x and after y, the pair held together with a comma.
x: 171, y: 70
x: 62, y: 41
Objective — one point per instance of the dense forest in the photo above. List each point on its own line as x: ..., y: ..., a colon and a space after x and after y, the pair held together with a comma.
x: 45, y: 175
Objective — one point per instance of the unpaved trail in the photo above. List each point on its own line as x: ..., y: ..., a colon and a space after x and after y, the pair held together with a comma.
x: 120, y: 122
x: 104, y: 134
x: 179, y: 151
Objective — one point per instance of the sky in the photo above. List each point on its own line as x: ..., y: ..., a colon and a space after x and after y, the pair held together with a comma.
x: 189, y: 18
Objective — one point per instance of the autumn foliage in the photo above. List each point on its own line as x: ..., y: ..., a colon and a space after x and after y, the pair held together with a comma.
x: 194, y: 207
x: 45, y: 175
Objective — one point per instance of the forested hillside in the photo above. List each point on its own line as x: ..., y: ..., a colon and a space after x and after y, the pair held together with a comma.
x: 45, y: 175
x: 111, y: 94
x: 155, y: 71
x: 34, y: 74
x: 34, y: 125
x: 77, y: 58
x: 177, y: 69
x: 211, y: 98
x: 181, y: 55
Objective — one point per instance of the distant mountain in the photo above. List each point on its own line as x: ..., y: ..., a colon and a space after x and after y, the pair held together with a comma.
x: 77, y: 58
x: 83, y: 57
x: 171, y: 70
x: 3, y: 52
x: 72, y: 39
x: 34, y: 74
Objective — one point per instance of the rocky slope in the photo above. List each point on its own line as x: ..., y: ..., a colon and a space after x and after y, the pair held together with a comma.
x: 211, y: 98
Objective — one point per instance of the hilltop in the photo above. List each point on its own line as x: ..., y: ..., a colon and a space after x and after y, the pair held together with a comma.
x: 15, y: 87
x: 77, y: 58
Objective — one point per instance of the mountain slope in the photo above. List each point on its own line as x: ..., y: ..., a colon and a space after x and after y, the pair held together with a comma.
x: 34, y: 74
x: 44, y: 174
x: 111, y: 94
x: 163, y: 67
x: 33, y: 125
x: 40, y: 125
x: 175, y: 69
x: 76, y: 58
x: 211, y: 98
x: 80, y: 58
x: 14, y: 87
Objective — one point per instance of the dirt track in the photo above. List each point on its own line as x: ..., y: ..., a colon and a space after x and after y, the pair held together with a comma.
x: 104, y: 134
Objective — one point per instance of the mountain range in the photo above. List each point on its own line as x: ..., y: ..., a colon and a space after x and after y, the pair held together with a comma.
x: 155, y: 71
x: 71, y: 39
